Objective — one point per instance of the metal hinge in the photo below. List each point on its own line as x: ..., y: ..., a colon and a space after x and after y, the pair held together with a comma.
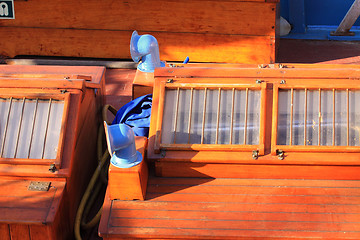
x: 280, y: 154
x: 39, y: 186
x: 255, y: 154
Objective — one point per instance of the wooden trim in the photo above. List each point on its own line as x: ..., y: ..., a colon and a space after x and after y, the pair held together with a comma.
x: 301, y: 72
x: 319, y: 148
x: 63, y: 130
x: 274, y: 119
x: 160, y: 113
x: 210, y: 147
x: 263, y: 106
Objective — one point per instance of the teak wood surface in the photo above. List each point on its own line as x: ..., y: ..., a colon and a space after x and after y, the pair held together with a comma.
x: 82, y: 91
x: 195, y: 160
x: 232, y: 208
x: 204, y: 30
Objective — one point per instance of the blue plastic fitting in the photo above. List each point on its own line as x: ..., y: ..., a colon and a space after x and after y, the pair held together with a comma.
x: 146, y: 48
x: 120, y: 140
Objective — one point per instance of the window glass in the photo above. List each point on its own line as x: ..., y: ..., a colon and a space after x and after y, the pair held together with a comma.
x: 211, y: 116
x: 30, y: 128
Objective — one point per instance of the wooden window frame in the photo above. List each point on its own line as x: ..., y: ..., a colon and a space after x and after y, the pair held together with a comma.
x: 227, y: 84
x: 320, y: 84
x: 30, y: 94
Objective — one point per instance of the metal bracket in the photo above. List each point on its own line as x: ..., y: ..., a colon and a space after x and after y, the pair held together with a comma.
x: 163, y: 153
x: 52, y: 168
x: 280, y: 154
x: 170, y: 80
x: 255, y: 154
x: 258, y: 81
x: 39, y: 186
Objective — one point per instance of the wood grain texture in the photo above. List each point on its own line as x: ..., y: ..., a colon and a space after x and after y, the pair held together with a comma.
x: 130, y: 183
x: 18, y: 205
x: 19, y: 232
x: 206, y: 208
x: 218, y: 17
x: 5, y: 231
x: 115, y: 44
x: 216, y: 170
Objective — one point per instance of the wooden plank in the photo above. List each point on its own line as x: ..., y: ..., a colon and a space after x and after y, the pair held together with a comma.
x: 19, y: 232
x: 218, y: 17
x: 52, y: 71
x: 255, y: 207
x: 253, y: 72
x: 19, y: 205
x: 260, y: 190
x: 188, y: 169
x: 5, y: 232
x: 214, y: 209
x: 115, y: 44
x: 253, y: 182
x: 39, y: 232
x: 163, y: 232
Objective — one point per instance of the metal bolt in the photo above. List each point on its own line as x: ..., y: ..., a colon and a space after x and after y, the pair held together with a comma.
x: 255, y: 154
x: 163, y: 153
x: 280, y: 154
x: 52, y: 168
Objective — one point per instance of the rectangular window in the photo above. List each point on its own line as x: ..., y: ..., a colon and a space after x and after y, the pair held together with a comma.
x: 31, y: 128
x: 323, y: 119
x: 203, y: 117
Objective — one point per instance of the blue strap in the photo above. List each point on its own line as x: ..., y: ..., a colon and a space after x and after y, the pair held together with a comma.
x: 136, y: 114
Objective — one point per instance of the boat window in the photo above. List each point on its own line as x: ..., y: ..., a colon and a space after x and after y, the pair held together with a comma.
x: 323, y: 117
x: 30, y: 128
x: 203, y: 116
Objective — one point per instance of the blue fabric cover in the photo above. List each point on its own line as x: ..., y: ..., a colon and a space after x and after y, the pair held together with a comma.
x: 136, y: 114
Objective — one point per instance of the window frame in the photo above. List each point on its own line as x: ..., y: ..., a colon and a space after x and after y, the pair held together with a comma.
x: 346, y: 85
x: 29, y: 94
x: 196, y: 83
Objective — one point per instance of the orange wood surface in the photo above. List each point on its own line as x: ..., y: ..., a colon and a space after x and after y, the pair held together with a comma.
x: 206, y: 208
x: 208, y: 162
x: 29, y: 214
x: 226, y: 170
x: 204, y: 30
x: 196, y: 16
x: 78, y: 157
x: 115, y: 44
x: 129, y: 183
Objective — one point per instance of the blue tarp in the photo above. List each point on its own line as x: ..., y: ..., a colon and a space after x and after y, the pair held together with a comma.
x: 136, y: 114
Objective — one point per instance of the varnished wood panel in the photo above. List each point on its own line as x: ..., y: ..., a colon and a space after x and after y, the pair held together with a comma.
x: 115, y: 44
x: 5, y: 231
x: 19, y: 232
x: 189, y: 169
x: 197, y: 16
x: 18, y: 205
x: 206, y: 208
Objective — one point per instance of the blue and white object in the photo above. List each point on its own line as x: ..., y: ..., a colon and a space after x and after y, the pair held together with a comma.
x: 146, y: 48
x: 120, y: 140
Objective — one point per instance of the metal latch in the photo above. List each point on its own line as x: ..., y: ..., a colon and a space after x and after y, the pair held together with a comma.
x: 255, y: 154
x: 280, y: 154
x: 39, y: 186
